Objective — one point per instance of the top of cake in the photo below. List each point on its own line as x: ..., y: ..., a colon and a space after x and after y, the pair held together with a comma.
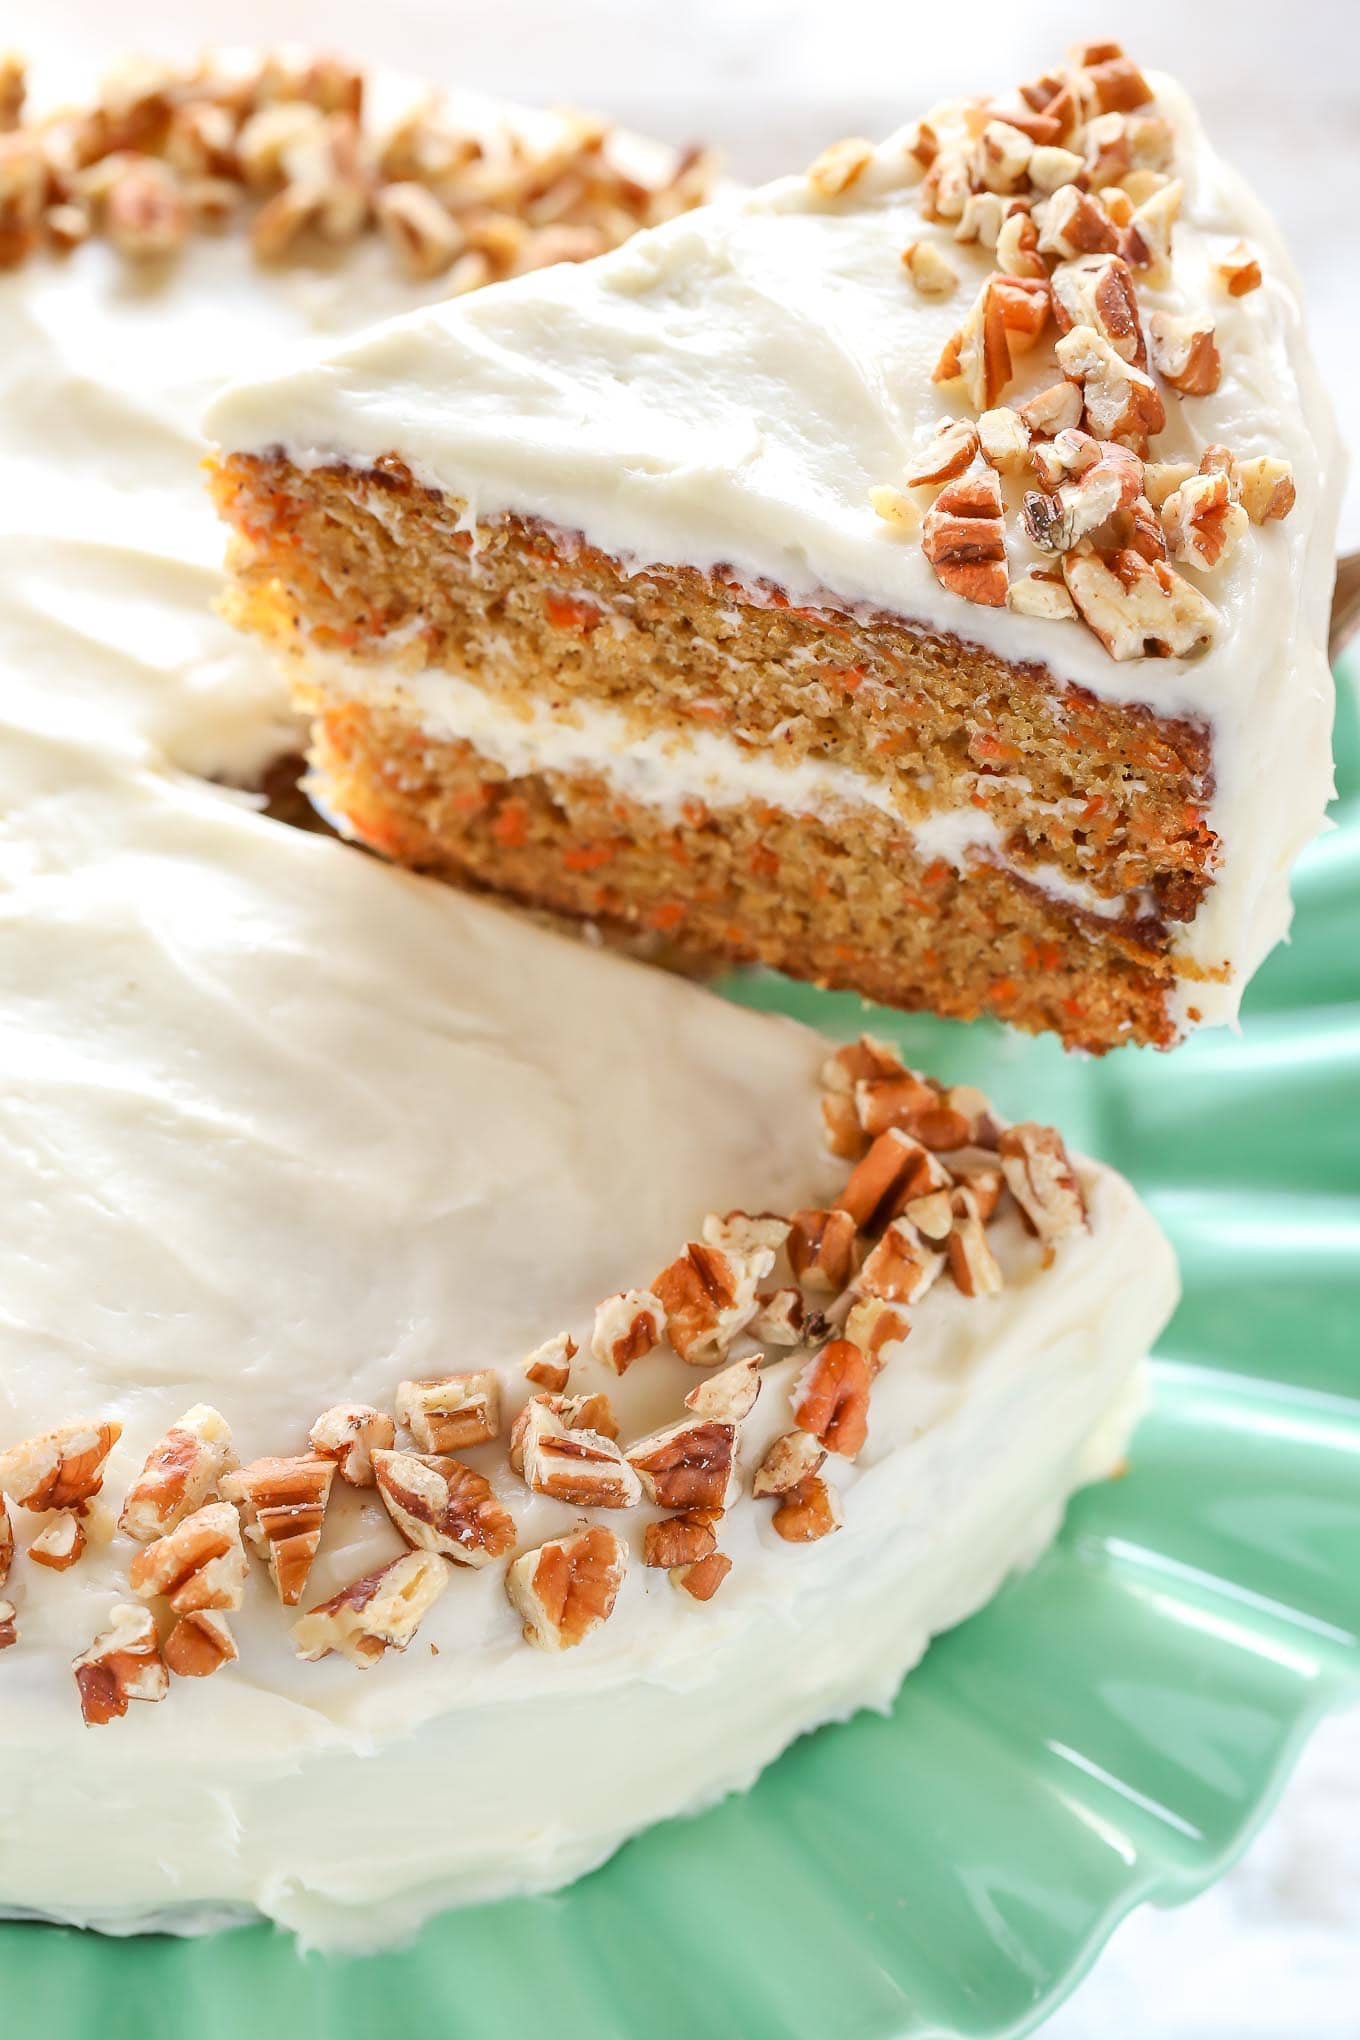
x: 756, y: 384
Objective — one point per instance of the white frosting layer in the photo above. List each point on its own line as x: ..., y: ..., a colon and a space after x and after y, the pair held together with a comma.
x: 728, y: 389
x: 664, y: 770
x: 279, y: 1123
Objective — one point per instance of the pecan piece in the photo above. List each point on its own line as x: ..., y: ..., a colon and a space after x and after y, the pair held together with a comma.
x: 686, y: 1466
x: 1003, y: 438
x: 1042, y: 1180
x: 1185, y: 353
x: 421, y: 232
x: 200, y: 1644
x: 201, y: 1563
x: 822, y: 1249
x: 439, y: 1504
x: 180, y: 1473
x: 549, y: 1365
x: 963, y: 535
x: 1239, y: 271
x: 9, y: 1625
x: 931, y: 272
x: 901, y: 1267
x: 350, y: 1433
x: 1080, y: 507
x: 840, y: 166
x: 572, y: 1464
x: 378, y: 1613
x: 123, y: 1664
x: 1122, y: 403
x: 62, y: 1469
x: 702, y: 1577
x: 1266, y: 487
x: 778, y: 1321
x: 1053, y: 410
x: 7, y: 1536
x: 1201, y: 521
x: 789, y: 1461
x: 567, y: 1587
x: 947, y: 455
x: 627, y: 1327
x: 1098, y: 291
x: 872, y: 1325
x: 831, y: 1398
x: 972, y: 1263
x: 449, y: 1412
x: 60, y: 1543
x: 1074, y: 222
x: 730, y: 1395
x: 1006, y: 319
x: 680, y: 1540
x: 1138, y: 608
x: 709, y: 1296
x: 808, y: 1512
x: 1042, y: 595
x: 897, y: 1167
x: 283, y: 1507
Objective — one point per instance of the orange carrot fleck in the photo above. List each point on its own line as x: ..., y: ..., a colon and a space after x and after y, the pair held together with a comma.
x: 566, y: 612
x: 510, y: 825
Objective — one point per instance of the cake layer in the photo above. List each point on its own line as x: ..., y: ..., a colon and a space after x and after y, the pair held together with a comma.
x: 723, y: 404
x: 826, y: 886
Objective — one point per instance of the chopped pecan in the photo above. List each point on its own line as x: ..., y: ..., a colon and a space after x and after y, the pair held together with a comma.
x: 680, y: 1540
x: 831, y: 1398
x: 1202, y: 522
x: 872, y: 1325
x: 1121, y: 402
x: 449, y: 1412
x: 1079, y: 507
x: 891, y: 1100
x: 378, y: 1613
x: 1239, y: 271
x: 201, y: 1563
x: 897, y: 509
x: 789, y: 1460
x: 1074, y: 222
x: 1116, y: 143
x: 822, y: 1249
x: 1112, y: 81
x: 1184, y: 353
x: 1003, y: 438
x: 62, y: 1469
x: 627, y: 1327
x: 200, y: 1644
x: 901, y: 1267
x: 1145, y: 243
x: 350, y: 1433
x: 7, y: 1535
x: 145, y: 213
x: 1001, y: 156
x: 1042, y: 1181
x: 808, y: 1512
x: 972, y: 1263
x: 1007, y: 318
x: 840, y: 166
x: 123, y: 1664
x: 963, y: 535
x: 179, y: 1475
x: 932, y: 1214
x: 931, y: 272
x: 572, y: 1464
x: 60, y: 1543
x: 709, y: 1296
x: 1042, y: 595
x: 1098, y: 291
x: 283, y: 1507
x: 13, y: 91
x: 1266, y: 487
x: 9, y: 1625
x: 1051, y: 167
x: 422, y: 233
x: 438, y: 1504
x: 549, y: 1365
x: 567, y: 1587
x: 948, y: 453
x: 1053, y: 410
x: 702, y: 1577
x: 887, y: 1175
x: 1161, y: 478
x: 778, y: 1320
x: 747, y: 1236
x: 686, y: 1466
x: 577, y: 1412
x: 982, y: 218
x: 1017, y: 247
x: 730, y: 1395
x: 983, y: 1176
x: 1138, y: 608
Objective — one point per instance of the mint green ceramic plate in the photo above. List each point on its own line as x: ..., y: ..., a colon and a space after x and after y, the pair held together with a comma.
x: 1109, y: 1730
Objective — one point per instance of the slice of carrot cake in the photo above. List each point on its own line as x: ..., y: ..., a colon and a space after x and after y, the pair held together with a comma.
x: 912, y: 575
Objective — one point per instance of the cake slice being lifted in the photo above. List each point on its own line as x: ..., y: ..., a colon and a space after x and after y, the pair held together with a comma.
x: 912, y: 575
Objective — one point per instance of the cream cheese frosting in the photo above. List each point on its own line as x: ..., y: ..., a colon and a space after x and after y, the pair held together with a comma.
x: 728, y: 389
x: 280, y: 1124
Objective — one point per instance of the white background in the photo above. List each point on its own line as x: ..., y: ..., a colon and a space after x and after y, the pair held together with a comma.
x: 1273, y: 1953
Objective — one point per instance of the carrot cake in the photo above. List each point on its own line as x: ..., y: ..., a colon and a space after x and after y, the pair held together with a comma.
x: 906, y: 576
x: 395, y: 1509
